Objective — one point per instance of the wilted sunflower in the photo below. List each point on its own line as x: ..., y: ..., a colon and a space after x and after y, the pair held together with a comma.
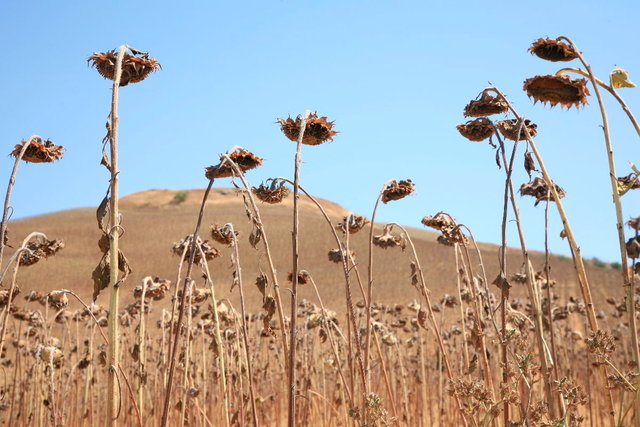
x: 476, y: 130
x: 273, y: 193
x: 629, y: 182
x: 39, y: 151
x: 438, y: 222
x: 397, y: 190
x: 634, y: 223
x: 561, y: 90
x: 317, y: 131
x: 209, y: 252
x: 633, y: 247
x: 486, y: 105
x: 451, y: 233
x: 337, y: 255
x: 355, y: 223
x: 39, y: 249
x: 303, y: 277
x: 222, y: 234
x: 509, y: 129
x: 57, y: 299
x: 539, y: 189
x: 245, y: 160
x: 135, y: 68
x: 388, y: 240
x: 553, y: 50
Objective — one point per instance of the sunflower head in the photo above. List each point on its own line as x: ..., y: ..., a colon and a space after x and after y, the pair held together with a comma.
x: 511, y: 129
x: 352, y: 223
x: 223, y: 234
x: 39, y: 151
x: 303, y: 277
x: 245, y: 160
x: 539, y: 189
x: 38, y: 249
x: 317, y: 130
x: 555, y: 89
x: 476, y: 130
x: 273, y: 193
x: 397, y: 190
x: 485, y: 105
x: 553, y: 50
x: 136, y: 66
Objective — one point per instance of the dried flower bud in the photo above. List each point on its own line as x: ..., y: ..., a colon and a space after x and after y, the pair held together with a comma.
x: 245, y: 160
x: 512, y: 130
x: 272, y: 194
x: 303, y: 277
x: 135, y: 68
x: 539, y: 189
x: 223, y: 234
x: 355, y: 223
x: 39, y: 151
x: 553, y: 50
x: 476, y: 130
x: 486, y: 105
x: 561, y: 90
x: 317, y: 130
x: 397, y: 190
x: 38, y: 249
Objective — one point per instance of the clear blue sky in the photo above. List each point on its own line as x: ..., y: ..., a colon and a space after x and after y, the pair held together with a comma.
x: 394, y: 75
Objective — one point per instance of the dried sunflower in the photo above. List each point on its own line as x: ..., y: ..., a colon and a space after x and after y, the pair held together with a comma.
x: 388, y: 240
x: 438, y: 222
x: 633, y: 247
x: 209, y: 252
x: 539, y: 189
x: 303, y: 277
x: 355, y: 223
x: 553, y: 50
x: 397, y: 190
x: 509, y: 129
x: 629, y: 182
x: 135, y: 68
x: 476, y: 130
x: 57, y: 299
x: 317, y: 130
x: 485, y: 106
x: 39, y: 249
x: 223, y: 234
x: 39, y: 151
x: 634, y: 223
x: 245, y: 160
x: 561, y: 90
x: 337, y: 255
x: 273, y: 193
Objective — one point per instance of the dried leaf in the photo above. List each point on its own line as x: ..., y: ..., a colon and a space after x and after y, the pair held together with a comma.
x: 255, y: 237
x: 101, y: 213
x: 414, y: 274
x: 422, y: 319
x: 619, y: 77
x: 269, y: 307
x: 261, y: 283
x: 502, y: 283
x: 529, y: 164
x: 100, y: 276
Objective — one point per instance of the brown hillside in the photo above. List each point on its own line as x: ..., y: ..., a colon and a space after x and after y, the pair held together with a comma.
x: 153, y: 221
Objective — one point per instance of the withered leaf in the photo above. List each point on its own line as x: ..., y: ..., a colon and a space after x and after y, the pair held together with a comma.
x: 101, y: 213
x: 502, y: 283
x: 529, y: 164
x: 414, y: 274
x: 473, y: 364
x: 255, y: 237
x: 269, y: 307
x: 261, y: 283
x: 422, y: 319
x: 323, y: 335
x: 101, y: 274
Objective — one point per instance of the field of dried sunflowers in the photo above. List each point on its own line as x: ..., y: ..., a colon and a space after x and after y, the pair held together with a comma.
x: 178, y: 355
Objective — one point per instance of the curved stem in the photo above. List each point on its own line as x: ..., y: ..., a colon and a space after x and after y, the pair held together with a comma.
x: 7, y: 198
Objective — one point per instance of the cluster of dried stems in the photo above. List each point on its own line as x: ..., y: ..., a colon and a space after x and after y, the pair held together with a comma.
x: 179, y: 356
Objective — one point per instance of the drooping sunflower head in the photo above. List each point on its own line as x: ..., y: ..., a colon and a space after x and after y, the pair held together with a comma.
x: 136, y: 66
x: 317, y: 130
x: 555, y: 90
x: 553, y: 50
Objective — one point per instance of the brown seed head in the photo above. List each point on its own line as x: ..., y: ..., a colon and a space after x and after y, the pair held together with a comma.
x: 438, y: 222
x: 476, y: 130
x: 397, y: 190
x: 273, y: 193
x: 486, y: 105
x: 355, y: 223
x: 303, y: 277
x: 39, y: 151
x: 39, y: 249
x: 388, y: 240
x: 222, y: 234
x: 245, y: 160
x: 135, y: 68
x: 553, y: 50
x: 336, y: 255
x: 561, y: 90
x: 509, y: 129
x: 209, y: 252
x: 539, y: 189
x: 317, y: 131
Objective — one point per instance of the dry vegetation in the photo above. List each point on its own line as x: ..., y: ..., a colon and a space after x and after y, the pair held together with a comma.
x: 387, y: 325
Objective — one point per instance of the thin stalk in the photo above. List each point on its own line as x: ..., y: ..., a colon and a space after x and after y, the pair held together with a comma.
x: 187, y: 280
x: 245, y: 332
x: 294, y: 282
x: 113, y: 356
x: 626, y: 276
x: 7, y: 198
x: 575, y: 249
x: 142, y: 344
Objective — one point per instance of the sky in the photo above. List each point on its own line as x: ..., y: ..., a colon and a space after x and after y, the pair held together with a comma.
x: 393, y: 75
